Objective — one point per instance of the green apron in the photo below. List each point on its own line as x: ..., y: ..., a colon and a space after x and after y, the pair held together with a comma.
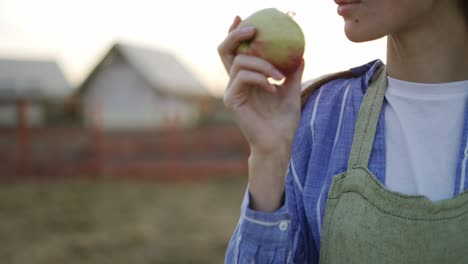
x: 366, y: 223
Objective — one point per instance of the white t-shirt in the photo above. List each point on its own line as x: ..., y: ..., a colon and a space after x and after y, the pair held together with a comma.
x: 423, y: 130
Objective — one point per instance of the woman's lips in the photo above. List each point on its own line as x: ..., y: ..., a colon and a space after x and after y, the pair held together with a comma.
x: 346, y: 8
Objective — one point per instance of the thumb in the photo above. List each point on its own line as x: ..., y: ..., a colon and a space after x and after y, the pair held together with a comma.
x: 294, y: 80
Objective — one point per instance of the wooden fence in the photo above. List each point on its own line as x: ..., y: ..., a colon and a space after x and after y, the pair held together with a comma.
x: 67, y: 152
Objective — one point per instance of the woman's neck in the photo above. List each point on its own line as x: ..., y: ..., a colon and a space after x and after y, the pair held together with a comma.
x: 434, y: 51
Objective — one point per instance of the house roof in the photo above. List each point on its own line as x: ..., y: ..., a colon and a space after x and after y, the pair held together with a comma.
x: 162, y: 70
x: 32, y: 80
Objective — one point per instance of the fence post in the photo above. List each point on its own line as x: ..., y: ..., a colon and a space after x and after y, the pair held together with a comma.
x: 24, y: 137
x: 96, y: 140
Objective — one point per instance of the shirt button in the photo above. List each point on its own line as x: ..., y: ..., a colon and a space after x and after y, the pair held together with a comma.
x: 283, y: 226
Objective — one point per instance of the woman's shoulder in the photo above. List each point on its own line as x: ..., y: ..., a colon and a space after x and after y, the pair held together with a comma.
x: 313, y: 85
x: 330, y: 104
x: 329, y: 100
x: 337, y: 81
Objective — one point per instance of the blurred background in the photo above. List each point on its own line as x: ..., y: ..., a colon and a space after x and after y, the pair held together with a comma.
x: 115, y: 146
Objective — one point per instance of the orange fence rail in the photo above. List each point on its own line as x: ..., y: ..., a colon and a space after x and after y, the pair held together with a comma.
x: 65, y: 152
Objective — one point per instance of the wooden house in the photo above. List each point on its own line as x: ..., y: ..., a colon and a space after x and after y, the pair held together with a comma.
x: 27, y: 87
x: 136, y: 87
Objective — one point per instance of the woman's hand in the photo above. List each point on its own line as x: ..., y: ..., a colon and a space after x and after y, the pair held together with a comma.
x: 266, y: 113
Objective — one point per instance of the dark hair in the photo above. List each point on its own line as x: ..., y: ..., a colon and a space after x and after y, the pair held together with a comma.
x: 464, y: 8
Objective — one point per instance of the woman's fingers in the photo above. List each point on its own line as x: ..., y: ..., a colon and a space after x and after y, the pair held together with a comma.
x: 227, y: 48
x: 236, y: 92
x: 253, y: 79
x: 252, y: 63
x: 235, y: 23
x: 294, y: 80
x: 249, y: 72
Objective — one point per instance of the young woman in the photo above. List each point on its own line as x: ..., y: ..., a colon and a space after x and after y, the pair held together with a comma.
x: 372, y: 168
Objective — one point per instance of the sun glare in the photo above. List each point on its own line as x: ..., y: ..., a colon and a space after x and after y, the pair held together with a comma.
x: 78, y: 33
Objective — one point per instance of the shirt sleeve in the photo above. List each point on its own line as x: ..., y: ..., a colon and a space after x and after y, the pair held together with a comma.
x: 275, y: 238
x: 260, y: 237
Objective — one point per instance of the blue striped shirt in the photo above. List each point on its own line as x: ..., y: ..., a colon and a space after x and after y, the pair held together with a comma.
x: 320, y: 150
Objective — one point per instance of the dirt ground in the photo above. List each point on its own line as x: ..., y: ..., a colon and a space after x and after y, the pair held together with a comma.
x: 117, y: 222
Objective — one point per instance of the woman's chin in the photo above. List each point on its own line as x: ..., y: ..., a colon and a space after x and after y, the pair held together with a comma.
x: 356, y: 33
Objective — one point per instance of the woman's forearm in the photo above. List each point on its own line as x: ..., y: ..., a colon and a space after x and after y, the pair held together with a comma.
x: 267, y: 174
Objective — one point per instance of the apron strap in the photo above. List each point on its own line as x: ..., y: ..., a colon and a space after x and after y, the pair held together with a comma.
x: 368, y: 117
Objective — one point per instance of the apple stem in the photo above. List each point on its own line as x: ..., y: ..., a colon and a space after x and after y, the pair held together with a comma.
x: 291, y: 13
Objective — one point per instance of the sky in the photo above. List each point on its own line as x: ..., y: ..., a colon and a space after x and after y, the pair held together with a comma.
x: 78, y: 33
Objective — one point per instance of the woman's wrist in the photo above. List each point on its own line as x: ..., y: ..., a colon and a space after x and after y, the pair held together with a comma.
x: 267, y: 172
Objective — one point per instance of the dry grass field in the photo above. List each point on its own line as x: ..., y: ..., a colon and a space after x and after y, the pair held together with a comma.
x: 117, y: 222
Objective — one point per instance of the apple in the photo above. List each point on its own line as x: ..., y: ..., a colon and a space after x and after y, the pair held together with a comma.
x: 278, y: 39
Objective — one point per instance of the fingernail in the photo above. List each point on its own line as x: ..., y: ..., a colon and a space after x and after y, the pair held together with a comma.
x: 235, y: 19
x: 247, y: 29
x: 277, y: 75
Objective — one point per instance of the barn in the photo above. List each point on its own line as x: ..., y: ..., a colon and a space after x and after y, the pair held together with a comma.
x: 136, y: 87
